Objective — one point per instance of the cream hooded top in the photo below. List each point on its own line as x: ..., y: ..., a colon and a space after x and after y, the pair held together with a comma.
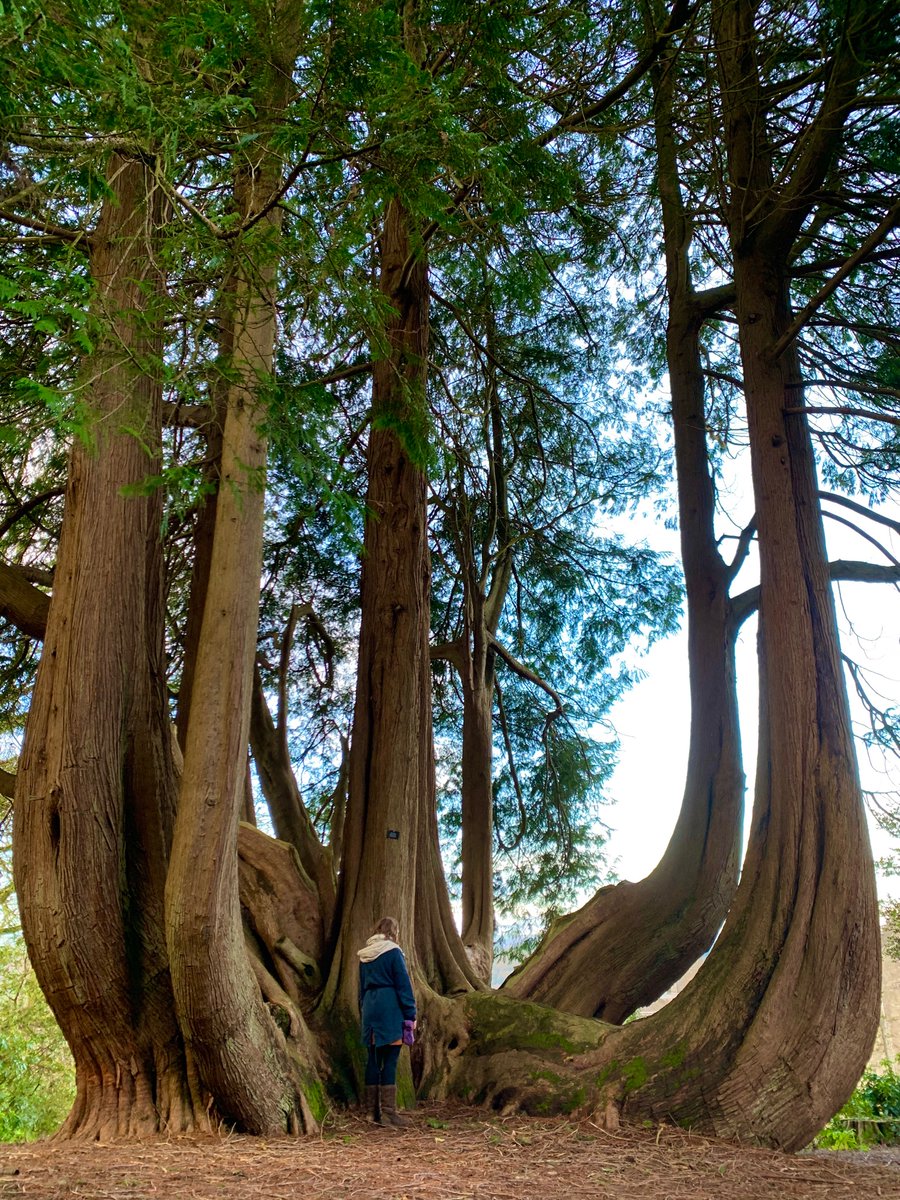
x: 377, y: 945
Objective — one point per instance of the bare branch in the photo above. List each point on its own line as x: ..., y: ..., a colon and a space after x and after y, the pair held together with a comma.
x: 22, y: 510
x: 56, y: 232
x: 861, y: 509
x: 574, y: 122
x: 451, y: 652
x: 526, y: 673
x: 23, y: 604
x: 839, y: 571
x: 861, y: 533
x: 844, y: 410
x: 875, y: 238
x: 745, y: 540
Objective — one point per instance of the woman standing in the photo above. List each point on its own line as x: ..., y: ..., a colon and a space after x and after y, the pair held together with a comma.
x: 386, y: 1001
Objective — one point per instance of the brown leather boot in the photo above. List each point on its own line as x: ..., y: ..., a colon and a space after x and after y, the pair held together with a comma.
x: 373, y: 1104
x: 389, y: 1114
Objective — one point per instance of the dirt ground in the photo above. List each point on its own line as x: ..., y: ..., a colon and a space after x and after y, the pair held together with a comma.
x: 450, y: 1153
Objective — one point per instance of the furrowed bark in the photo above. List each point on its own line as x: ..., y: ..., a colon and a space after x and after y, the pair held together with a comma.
x: 96, y: 785
x: 391, y: 861
x: 261, y: 1082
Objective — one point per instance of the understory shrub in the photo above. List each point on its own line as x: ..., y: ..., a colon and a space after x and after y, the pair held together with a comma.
x: 865, y: 1120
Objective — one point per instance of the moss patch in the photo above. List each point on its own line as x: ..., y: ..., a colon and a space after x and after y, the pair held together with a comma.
x: 634, y: 1073
x: 499, y: 1023
x: 316, y: 1097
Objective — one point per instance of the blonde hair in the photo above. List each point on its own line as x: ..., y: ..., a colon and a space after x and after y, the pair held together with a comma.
x: 388, y: 927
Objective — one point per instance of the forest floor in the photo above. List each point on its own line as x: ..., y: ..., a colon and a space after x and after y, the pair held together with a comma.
x: 449, y: 1153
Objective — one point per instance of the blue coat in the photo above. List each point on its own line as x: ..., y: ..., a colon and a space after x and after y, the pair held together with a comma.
x: 386, y: 998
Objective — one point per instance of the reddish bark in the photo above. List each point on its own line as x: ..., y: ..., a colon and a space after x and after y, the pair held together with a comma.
x: 96, y: 790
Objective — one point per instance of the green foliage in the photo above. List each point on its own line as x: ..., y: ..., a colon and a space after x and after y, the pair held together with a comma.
x: 875, y: 1100
x: 37, y: 1083
x: 890, y: 930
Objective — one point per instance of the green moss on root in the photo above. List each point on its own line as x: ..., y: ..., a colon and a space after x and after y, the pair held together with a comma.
x: 499, y: 1024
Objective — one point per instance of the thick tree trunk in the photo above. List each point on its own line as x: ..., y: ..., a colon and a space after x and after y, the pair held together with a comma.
x: 630, y: 942
x: 770, y: 1037
x: 96, y: 789
x: 259, y: 1082
x: 391, y: 863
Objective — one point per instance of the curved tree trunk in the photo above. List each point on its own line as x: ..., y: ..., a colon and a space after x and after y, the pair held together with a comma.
x: 771, y: 1036
x: 769, y: 1039
x: 260, y: 1081
x: 630, y: 942
x: 96, y: 785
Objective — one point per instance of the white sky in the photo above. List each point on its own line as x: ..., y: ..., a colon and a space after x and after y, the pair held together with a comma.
x: 653, y: 718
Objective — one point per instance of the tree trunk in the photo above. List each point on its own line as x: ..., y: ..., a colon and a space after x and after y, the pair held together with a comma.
x: 391, y: 864
x: 771, y: 1036
x: 262, y: 1082
x: 485, y: 588
x: 289, y: 816
x: 257, y: 1079
x: 630, y: 942
x: 202, y: 541
x: 96, y: 787
x: 478, y: 805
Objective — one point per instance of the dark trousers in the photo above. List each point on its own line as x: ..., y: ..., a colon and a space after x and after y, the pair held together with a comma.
x: 381, y: 1067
